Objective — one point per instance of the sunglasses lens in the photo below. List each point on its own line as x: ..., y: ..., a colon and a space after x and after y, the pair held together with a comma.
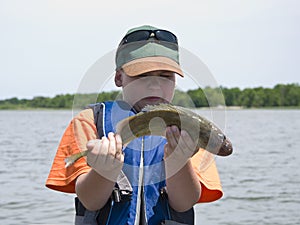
x: 165, y: 36
x: 137, y: 36
x: 143, y: 35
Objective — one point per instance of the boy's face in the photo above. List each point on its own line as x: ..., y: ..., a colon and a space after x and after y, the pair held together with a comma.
x: 146, y: 89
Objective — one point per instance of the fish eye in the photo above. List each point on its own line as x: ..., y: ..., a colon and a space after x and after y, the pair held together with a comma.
x: 222, y: 136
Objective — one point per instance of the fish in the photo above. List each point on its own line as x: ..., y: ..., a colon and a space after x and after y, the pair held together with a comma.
x: 154, y: 119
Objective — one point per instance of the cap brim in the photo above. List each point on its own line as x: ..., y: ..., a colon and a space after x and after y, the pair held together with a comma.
x: 144, y: 65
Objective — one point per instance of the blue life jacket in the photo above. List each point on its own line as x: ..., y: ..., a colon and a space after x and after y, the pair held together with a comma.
x: 139, y: 196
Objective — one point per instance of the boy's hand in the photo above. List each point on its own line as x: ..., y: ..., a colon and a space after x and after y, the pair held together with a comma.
x: 106, y: 156
x: 179, y: 148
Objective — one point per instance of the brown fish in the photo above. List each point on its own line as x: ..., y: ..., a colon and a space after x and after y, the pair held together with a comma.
x: 153, y: 120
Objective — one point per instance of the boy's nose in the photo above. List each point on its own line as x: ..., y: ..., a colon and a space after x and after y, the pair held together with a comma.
x: 153, y: 82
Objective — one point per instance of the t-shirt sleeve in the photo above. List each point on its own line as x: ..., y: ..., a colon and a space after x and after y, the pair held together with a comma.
x: 80, y: 130
x: 205, y: 167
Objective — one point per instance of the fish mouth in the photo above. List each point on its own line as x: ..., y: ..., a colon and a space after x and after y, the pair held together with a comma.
x: 226, y: 148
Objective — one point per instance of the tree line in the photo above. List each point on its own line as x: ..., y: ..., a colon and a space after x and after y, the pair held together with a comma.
x: 281, y: 95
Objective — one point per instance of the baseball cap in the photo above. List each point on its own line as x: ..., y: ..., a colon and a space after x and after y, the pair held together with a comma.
x: 142, y: 56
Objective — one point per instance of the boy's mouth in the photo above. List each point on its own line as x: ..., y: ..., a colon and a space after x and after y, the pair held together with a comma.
x: 154, y: 99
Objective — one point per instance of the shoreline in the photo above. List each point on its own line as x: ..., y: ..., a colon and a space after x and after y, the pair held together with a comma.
x: 200, y: 108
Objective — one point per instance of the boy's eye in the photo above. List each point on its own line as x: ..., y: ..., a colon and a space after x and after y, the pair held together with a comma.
x: 143, y: 75
x: 166, y: 74
x: 163, y: 74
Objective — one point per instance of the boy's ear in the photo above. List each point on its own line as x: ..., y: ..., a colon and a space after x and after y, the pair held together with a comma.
x: 118, y: 78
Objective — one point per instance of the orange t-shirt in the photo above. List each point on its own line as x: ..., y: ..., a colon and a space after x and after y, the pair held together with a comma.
x: 82, y: 129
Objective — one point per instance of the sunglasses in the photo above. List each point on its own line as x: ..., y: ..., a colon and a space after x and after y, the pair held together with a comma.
x: 143, y: 35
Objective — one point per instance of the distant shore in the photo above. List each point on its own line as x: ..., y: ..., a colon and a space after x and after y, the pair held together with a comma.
x: 282, y: 96
x: 198, y: 108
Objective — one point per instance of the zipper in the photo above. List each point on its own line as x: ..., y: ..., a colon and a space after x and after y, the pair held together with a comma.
x: 140, y: 195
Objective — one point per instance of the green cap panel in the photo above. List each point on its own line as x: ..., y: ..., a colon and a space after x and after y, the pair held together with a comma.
x: 143, y: 49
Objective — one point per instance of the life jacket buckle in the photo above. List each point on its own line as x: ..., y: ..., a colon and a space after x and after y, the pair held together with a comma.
x: 116, y: 195
x: 121, y: 195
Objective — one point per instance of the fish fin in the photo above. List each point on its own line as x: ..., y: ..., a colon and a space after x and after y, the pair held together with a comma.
x: 161, y: 106
x: 168, y: 107
x: 73, y: 158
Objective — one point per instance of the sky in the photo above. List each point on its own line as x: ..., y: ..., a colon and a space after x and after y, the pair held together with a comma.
x: 48, y: 47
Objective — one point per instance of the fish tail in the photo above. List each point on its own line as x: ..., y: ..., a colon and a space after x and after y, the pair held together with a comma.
x: 73, y: 158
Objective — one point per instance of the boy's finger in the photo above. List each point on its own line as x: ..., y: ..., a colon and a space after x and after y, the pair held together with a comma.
x: 91, y: 144
x: 172, y: 135
x: 118, y: 143
x: 104, y: 146
x: 187, y: 140
x: 112, y: 144
x: 120, y: 156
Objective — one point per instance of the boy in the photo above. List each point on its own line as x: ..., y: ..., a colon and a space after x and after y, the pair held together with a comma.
x: 152, y: 180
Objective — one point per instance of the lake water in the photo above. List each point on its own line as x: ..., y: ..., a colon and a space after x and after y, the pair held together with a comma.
x: 260, y: 180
